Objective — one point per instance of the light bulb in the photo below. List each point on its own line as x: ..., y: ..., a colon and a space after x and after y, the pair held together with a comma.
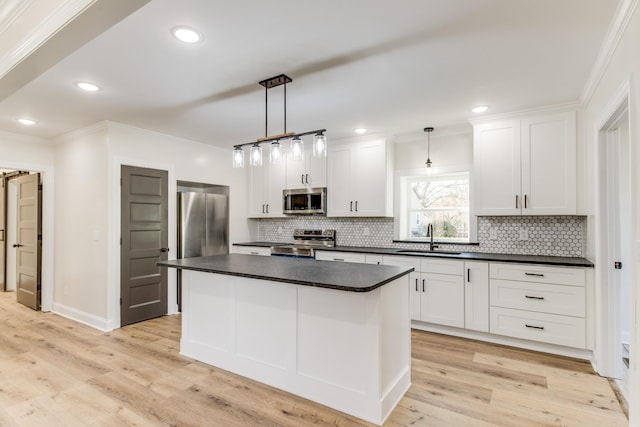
x: 255, y: 158
x: 297, y: 149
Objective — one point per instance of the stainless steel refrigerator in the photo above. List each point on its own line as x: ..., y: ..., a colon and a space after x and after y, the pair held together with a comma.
x: 203, y: 224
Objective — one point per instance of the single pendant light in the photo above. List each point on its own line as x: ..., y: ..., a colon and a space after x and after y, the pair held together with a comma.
x: 276, y: 153
x: 297, y: 149
x: 255, y: 155
x: 428, y: 162
x: 238, y: 157
x: 319, y: 145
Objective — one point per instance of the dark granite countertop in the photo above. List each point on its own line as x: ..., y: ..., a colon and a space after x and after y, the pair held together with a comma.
x: 307, y: 272
x: 464, y: 256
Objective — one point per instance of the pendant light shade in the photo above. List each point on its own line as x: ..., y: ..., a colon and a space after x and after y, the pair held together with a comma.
x: 276, y: 153
x: 255, y: 155
x: 319, y: 145
x: 297, y: 149
x: 238, y: 157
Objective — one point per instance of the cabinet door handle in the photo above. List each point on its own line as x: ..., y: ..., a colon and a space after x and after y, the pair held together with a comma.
x: 263, y: 209
x: 302, y: 179
x: 356, y: 206
x: 306, y: 178
x: 516, y: 201
x: 534, y: 274
x: 468, y: 275
x: 267, y: 208
x: 254, y: 253
x: 351, y: 206
x: 525, y: 201
x: 531, y: 297
x: 534, y: 327
x: 422, y: 285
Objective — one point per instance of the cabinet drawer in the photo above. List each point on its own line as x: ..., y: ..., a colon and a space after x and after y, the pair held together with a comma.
x: 550, y: 328
x: 340, y: 256
x: 251, y: 250
x: 402, y: 261
x: 538, y: 273
x: 539, y: 297
x: 442, y: 266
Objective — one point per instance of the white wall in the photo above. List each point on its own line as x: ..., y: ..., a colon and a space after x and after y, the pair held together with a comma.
x: 81, y: 213
x: 622, y: 70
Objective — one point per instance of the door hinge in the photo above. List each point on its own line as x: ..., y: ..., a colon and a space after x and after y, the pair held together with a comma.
x: 39, y: 237
x: 617, y: 265
x: 121, y: 241
x: 39, y: 187
x: 120, y: 301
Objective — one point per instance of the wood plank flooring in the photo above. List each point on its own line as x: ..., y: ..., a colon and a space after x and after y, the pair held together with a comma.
x: 56, y: 372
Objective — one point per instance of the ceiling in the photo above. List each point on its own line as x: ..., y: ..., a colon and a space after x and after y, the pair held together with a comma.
x: 392, y: 67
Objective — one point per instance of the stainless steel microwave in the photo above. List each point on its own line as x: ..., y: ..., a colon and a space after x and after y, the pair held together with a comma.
x: 305, y: 201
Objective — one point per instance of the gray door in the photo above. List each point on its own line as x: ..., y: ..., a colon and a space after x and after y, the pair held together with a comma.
x: 143, y: 286
x: 28, y: 241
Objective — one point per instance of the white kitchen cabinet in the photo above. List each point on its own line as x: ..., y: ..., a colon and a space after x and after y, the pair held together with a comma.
x: 309, y: 172
x: 341, y: 256
x: 476, y: 296
x: 539, y: 303
x: 436, y: 293
x: 251, y: 250
x: 526, y: 166
x: 360, y: 179
x: 266, y: 183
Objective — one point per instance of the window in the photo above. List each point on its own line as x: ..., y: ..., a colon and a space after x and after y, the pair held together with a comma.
x: 442, y: 201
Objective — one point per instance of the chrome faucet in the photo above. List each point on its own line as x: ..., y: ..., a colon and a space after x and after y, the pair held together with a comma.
x: 432, y: 246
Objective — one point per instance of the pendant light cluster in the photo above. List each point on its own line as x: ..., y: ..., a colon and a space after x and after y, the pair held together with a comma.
x: 428, y: 162
x: 276, y: 149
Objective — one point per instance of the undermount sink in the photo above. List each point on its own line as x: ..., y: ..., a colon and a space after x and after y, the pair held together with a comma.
x: 425, y: 252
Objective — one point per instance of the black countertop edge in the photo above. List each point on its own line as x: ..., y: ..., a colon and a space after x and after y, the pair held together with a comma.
x: 330, y: 275
x: 469, y: 256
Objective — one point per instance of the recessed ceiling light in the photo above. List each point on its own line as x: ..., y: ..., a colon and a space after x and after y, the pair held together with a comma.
x: 186, y: 34
x: 360, y: 130
x: 480, y: 109
x: 89, y: 87
x: 27, y: 122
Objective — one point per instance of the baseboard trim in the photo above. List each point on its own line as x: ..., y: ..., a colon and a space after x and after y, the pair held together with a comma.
x: 96, y: 322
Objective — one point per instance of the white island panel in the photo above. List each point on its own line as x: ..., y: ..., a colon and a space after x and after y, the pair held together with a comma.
x: 346, y: 350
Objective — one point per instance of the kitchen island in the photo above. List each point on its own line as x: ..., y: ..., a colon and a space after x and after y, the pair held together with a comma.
x: 338, y: 334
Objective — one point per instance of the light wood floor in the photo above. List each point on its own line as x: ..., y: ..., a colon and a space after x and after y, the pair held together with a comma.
x: 56, y: 372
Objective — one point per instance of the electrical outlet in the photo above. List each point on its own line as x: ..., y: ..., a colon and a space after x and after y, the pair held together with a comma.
x: 493, y: 233
x: 524, y: 234
x: 365, y: 231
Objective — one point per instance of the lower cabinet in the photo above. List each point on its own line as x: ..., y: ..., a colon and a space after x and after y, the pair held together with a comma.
x: 476, y: 296
x: 540, y: 303
x: 341, y: 256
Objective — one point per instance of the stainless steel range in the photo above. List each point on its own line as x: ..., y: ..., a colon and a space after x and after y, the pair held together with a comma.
x: 306, y: 241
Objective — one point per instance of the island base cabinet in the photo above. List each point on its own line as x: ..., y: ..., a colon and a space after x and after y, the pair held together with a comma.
x: 347, y: 350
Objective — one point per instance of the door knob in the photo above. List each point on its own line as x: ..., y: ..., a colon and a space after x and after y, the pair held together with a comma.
x: 164, y: 249
x: 17, y: 245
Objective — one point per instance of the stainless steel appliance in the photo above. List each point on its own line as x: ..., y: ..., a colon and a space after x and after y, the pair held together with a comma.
x: 305, y: 201
x: 203, y: 227
x: 306, y: 241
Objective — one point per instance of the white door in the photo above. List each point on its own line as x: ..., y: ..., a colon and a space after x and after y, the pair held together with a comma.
x: 442, y: 300
x: 339, y: 184
x: 28, y: 242
x: 12, y: 209
x: 496, y: 151
x: 257, y: 196
x: 369, y: 179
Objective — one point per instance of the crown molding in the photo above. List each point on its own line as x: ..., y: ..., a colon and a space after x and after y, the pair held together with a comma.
x: 60, y: 17
x: 550, y: 109
x: 87, y: 130
x: 11, y: 10
x: 619, y: 24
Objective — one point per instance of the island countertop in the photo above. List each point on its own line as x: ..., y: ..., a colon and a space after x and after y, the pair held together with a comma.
x: 307, y: 272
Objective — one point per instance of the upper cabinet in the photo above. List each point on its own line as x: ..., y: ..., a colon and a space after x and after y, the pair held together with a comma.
x: 266, y: 183
x: 526, y: 166
x: 309, y: 172
x: 360, y: 179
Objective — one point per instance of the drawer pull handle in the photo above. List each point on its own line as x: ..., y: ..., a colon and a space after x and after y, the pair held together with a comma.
x: 416, y: 285
x: 534, y: 327
x: 530, y: 297
x: 338, y: 259
x: 534, y: 274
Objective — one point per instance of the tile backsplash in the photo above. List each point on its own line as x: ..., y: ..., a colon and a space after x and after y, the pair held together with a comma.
x: 546, y: 235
